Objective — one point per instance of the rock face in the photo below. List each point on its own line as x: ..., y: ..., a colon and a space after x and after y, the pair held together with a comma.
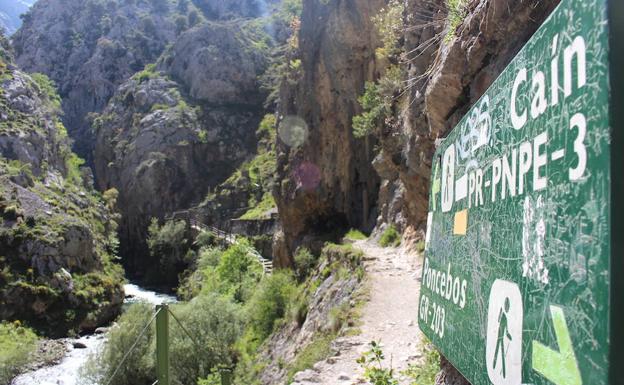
x: 326, y: 181
x: 448, y: 78
x: 89, y: 48
x: 57, y: 239
x: 223, y: 10
x: 163, y: 144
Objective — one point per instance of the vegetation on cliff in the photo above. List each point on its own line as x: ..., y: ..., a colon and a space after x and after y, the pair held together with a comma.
x: 236, y: 317
x: 57, y: 236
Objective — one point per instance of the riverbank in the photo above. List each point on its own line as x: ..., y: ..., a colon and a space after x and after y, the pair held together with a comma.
x: 58, y: 362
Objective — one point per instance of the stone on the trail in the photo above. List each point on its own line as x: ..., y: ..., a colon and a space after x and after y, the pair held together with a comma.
x: 101, y: 330
x: 308, y: 375
x: 410, y: 323
x: 343, y: 377
x: 79, y: 345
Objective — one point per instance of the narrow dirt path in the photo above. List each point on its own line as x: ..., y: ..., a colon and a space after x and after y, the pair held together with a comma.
x: 389, y: 317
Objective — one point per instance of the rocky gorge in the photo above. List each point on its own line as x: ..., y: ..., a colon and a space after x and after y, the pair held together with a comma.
x: 308, y: 118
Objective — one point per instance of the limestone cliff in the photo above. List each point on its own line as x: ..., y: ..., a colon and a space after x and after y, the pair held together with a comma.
x: 450, y: 65
x: 57, y: 237
x: 178, y: 129
x: 325, y: 180
x: 90, y: 47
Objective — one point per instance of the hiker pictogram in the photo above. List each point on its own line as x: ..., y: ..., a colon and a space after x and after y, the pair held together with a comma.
x: 503, y: 334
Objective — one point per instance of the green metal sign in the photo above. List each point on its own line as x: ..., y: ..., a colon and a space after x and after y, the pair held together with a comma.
x: 519, y: 258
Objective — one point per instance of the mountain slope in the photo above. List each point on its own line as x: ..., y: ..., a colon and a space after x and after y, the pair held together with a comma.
x: 57, y: 236
x: 90, y: 47
x: 10, y: 11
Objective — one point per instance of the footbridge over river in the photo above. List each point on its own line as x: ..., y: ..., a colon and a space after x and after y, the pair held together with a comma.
x: 227, y: 237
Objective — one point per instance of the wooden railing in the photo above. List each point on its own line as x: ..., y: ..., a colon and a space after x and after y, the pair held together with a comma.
x: 267, y: 264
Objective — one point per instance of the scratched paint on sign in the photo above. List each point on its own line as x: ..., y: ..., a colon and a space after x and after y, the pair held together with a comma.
x: 516, y: 278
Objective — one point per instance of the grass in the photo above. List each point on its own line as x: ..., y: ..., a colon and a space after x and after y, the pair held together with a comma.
x: 317, y: 350
x: 17, y: 343
x: 259, y: 211
x: 148, y: 73
x: 456, y: 14
x: 390, y: 237
x: 424, y: 373
x: 355, y: 235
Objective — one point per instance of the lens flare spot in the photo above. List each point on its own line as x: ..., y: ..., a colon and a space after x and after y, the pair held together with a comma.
x: 307, y: 176
x: 293, y: 131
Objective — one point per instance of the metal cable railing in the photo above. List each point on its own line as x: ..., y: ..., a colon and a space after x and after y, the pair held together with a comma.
x: 136, y: 341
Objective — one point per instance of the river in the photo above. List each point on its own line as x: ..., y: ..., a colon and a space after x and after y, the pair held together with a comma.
x: 66, y: 372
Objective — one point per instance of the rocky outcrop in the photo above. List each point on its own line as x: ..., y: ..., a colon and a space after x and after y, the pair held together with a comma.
x: 327, y: 300
x: 90, y: 47
x: 57, y: 239
x: 164, y: 144
x: 449, y: 71
x: 325, y: 178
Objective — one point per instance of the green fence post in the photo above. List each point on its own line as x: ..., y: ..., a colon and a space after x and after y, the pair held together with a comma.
x: 226, y: 376
x: 162, y: 344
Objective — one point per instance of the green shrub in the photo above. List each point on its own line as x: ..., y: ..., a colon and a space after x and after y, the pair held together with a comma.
x: 355, y: 235
x: 304, y: 262
x: 209, y: 257
x: 212, y: 379
x: 213, y: 323
x: 389, y: 25
x: 420, y: 246
x: 424, y: 373
x: 194, y: 282
x: 346, y: 255
x: 159, y: 106
x: 456, y: 13
x: 12, y: 212
x: 205, y: 239
x: 269, y: 303
x: 147, y: 73
x: 259, y: 210
x: 17, y: 343
x: 139, y: 365
x: 168, y: 244
x: 338, y: 317
x: 298, y: 306
x: 238, y: 271
x: 374, y: 371
x: 47, y: 89
x: 73, y: 163
x: 390, y: 237
x: 374, y: 108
